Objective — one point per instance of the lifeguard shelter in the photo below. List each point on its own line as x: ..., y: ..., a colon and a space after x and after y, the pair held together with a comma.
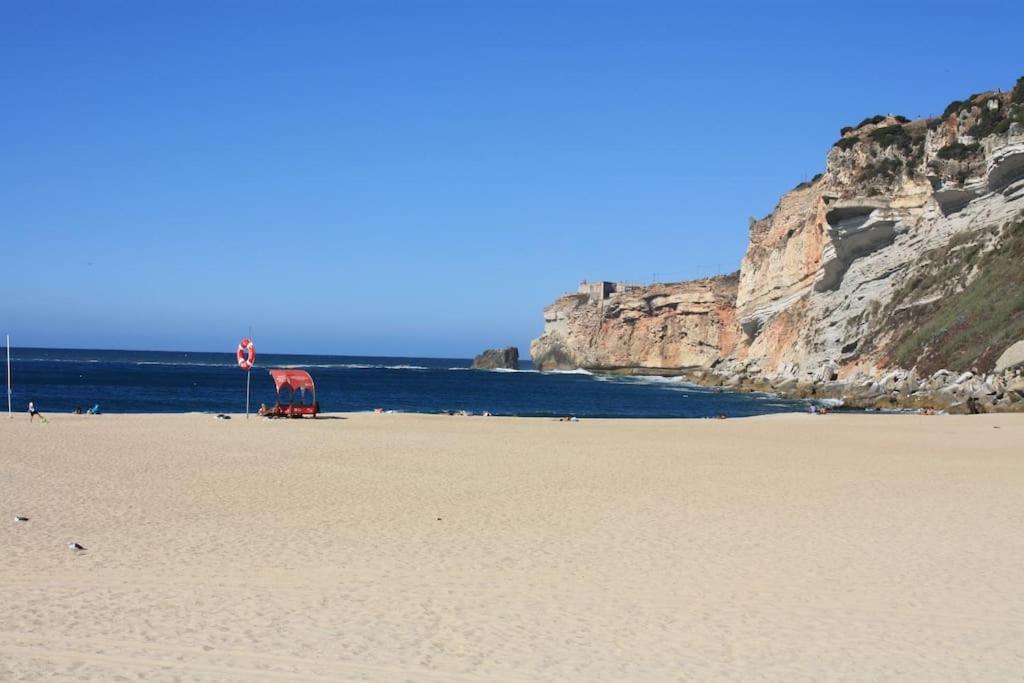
x: 296, y: 394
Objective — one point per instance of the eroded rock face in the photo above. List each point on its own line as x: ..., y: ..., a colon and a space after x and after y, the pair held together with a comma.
x: 495, y: 359
x: 875, y: 222
x: 1012, y: 358
x: 855, y: 229
x: 1006, y: 166
x: 782, y: 259
x: 661, y: 327
x: 907, y: 215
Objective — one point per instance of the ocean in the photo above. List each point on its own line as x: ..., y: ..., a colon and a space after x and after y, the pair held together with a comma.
x: 61, y: 380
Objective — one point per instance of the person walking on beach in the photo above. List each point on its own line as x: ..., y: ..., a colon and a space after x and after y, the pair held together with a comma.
x: 32, y: 412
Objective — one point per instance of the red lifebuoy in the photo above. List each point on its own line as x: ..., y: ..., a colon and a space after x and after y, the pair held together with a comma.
x: 246, y: 354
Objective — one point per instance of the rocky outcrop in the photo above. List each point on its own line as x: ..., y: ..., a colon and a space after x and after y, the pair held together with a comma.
x: 1006, y: 169
x: 1012, y: 358
x: 855, y: 229
x: 663, y: 327
x: 497, y: 359
x: 901, y: 257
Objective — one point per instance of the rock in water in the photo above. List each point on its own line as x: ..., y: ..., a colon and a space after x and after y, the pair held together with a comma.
x: 492, y: 359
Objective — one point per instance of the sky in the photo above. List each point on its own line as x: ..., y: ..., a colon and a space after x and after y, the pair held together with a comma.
x: 422, y: 178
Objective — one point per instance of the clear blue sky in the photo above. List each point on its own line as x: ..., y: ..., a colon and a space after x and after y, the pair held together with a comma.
x: 415, y: 178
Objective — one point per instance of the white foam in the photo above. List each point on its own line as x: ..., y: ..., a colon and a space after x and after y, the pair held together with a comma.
x: 830, y: 402
x: 506, y: 370
x: 183, y: 364
x: 352, y: 366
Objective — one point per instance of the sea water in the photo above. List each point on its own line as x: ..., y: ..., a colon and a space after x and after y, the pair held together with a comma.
x: 61, y: 380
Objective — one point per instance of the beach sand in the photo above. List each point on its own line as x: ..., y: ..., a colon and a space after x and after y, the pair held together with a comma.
x: 415, y: 547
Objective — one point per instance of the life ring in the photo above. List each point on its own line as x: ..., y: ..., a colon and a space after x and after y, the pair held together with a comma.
x: 246, y: 354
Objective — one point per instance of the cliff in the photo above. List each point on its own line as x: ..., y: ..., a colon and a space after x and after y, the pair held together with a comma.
x: 663, y: 327
x: 887, y: 279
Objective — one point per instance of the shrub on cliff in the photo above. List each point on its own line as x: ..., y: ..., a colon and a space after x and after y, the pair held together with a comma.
x: 808, y: 183
x: 1015, y: 115
x: 954, y: 107
x: 889, y: 136
x: 970, y: 327
x: 846, y: 143
x: 960, y: 106
x: 987, y: 123
x: 883, y: 169
x: 914, y: 163
x: 870, y: 121
x: 1017, y: 94
x: 958, y: 151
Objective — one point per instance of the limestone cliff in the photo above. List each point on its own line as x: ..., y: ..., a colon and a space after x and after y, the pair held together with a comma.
x: 662, y: 327
x: 902, y: 257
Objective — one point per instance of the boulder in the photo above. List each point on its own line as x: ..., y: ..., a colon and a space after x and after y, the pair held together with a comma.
x: 1016, y: 386
x: 1012, y: 357
x: 493, y: 359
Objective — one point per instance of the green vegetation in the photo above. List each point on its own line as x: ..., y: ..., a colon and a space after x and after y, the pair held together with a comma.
x: 954, y: 107
x: 870, y: 121
x: 913, y: 163
x: 910, y: 143
x: 987, y: 122
x: 883, y: 169
x: 846, y: 143
x: 808, y: 183
x: 958, y: 151
x: 1017, y: 94
x: 896, y: 135
x: 1015, y: 115
x: 959, y: 106
x: 890, y: 136
x: 970, y: 327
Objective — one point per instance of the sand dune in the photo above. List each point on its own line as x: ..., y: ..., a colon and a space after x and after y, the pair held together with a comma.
x: 405, y: 547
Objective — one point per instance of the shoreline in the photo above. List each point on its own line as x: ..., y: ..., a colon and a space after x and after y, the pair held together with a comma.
x: 896, y: 389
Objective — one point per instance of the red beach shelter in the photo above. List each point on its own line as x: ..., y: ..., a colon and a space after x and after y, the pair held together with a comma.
x: 296, y: 383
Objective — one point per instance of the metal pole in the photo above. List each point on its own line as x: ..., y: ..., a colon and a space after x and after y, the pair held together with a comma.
x: 9, y: 413
x: 248, y: 373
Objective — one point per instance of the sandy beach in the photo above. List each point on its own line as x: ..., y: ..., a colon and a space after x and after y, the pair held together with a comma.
x: 416, y: 547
